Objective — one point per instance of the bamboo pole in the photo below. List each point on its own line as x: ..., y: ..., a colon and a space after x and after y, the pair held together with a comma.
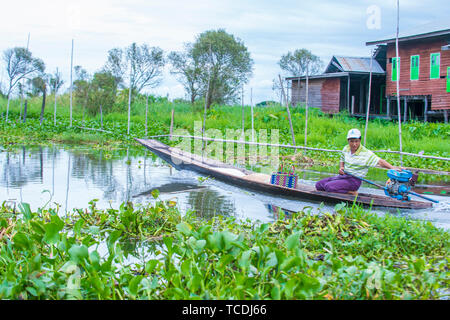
x: 25, y: 107
x: 251, y: 106
x: 243, y: 114
x: 68, y: 183
x: 101, y: 117
x: 146, y: 117
x: 171, y: 124
x: 23, y: 81
x: 288, y: 111
x: 129, y: 98
x: 206, y: 103
x: 306, y: 106
x: 368, y: 102
x: 54, y: 113
x: 71, y: 84
x: 7, y: 105
x: 398, y: 83
x: 204, y: 113
x: 293, y: 147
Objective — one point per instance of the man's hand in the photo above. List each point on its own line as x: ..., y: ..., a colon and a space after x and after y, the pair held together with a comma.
x: 341, y: 171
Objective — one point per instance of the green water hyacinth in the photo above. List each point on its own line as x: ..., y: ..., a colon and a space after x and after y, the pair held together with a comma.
x: 152, y: 252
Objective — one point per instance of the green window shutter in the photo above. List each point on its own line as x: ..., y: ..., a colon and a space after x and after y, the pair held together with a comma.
x: 448, y: 79
x: 395, y: 68
x: 414, y: 67
x: 435, y: 65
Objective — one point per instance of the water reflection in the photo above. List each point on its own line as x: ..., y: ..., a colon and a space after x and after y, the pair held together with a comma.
x: 209, y: 203
x: 277, y: 212
x: 171, y: 188
x: 75, y: 176
x: 15, y: 171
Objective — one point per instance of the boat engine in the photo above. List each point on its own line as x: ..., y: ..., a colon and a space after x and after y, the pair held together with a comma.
x: 400, y: 184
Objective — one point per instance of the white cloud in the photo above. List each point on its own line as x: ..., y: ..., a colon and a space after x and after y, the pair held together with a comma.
x: 268, y: 28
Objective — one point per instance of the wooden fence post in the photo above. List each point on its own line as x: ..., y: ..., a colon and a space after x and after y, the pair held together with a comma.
x: 251, y: 105
x: 25, y: 111
x: 171, y: 125
x: 243, y: 114
x: 368, y: 100
x: 146, y: 117
x: 101, y: 117
x: 54, y: 116
x: 71, y: 84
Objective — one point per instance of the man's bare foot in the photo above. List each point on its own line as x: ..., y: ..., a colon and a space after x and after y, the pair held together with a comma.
x: 354, y: 193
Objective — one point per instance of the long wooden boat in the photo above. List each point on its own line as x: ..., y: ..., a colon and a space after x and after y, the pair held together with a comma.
x: 261, y: 182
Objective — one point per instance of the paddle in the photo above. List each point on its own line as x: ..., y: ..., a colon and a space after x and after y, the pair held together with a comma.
x: 384, y: 188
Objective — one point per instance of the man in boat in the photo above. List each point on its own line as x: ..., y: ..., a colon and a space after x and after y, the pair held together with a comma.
x: 356, y: 160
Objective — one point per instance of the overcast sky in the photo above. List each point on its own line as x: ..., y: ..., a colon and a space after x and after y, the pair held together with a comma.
x: 269, y: 29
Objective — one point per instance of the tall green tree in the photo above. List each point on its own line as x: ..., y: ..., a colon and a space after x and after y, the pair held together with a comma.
x: 103, y: 92
x: 55, y: 82
x: 138, y: 66
x: 188, y: 71
x: 301, y: 62
x: 225, y: 63
x: 82, y: 86
x: 95, y: 92
x: 20, y: 64
x: 39, y: 86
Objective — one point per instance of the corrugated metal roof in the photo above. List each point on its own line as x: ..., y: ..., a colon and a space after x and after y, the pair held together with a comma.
x: 434, y: 28
x: 357, y: 64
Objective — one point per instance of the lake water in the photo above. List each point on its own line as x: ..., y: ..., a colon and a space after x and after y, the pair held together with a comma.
x: 68, y: 177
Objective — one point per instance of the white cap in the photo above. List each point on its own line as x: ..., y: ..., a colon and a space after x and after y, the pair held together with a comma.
x: 354, y: 134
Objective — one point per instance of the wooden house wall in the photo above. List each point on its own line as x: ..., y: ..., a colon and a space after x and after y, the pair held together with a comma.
x: 314, y: 96
x: 440, y: 99
x: 331, y: 90
x: 323, y: 94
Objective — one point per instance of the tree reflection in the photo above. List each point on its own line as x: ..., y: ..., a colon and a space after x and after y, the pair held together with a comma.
x: 16, y: 172
x: 208, y: 203
x: 118, y: 179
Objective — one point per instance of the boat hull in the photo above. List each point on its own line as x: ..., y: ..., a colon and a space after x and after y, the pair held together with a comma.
x: 259, y: 182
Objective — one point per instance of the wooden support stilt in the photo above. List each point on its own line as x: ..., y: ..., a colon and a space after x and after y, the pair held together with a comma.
x: 353, y: 105
x: 361, y: 93
x: 425, y: 111
x: 348, y: 93
x: 405, y: 110
x: 388, y: 105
